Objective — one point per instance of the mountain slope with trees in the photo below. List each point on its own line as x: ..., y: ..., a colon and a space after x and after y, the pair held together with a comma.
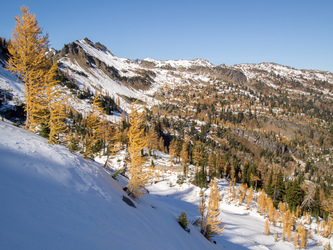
x: 263, y: 128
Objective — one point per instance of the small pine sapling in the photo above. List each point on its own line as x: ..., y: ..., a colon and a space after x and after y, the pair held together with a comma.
x: 183, y: 222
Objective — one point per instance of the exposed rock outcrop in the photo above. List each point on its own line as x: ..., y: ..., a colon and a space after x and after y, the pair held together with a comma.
x: 74, y: 51
x: 232, y: 75
x: 263, y: 143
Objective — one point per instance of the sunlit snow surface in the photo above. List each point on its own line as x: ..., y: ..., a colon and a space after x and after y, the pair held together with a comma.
x: 10, y: 84
x: 53, y: 199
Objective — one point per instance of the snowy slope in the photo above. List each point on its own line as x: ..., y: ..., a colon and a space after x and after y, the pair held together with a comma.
x: 275, y: 75
x: 10, y: 84
x: 180, y: 63
x: 251, y: 71
x: 52, y: 199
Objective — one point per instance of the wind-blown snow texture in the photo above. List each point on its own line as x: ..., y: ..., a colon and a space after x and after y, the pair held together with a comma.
x: 52, y: 199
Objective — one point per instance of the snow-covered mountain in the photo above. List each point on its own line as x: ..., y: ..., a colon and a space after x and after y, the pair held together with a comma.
x: 275, y: 69
x: 94, y: 67
x: 284, y: 78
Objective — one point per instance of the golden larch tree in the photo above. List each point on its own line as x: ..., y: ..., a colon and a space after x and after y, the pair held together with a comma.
x: 211, y: 163
x: 56, y: 110
x: 113, y: 140
x: 184, y: 152
x: 210, y: 222
x: 28, y: 62
x: 266, y: 227
x: 198, y: 153
x: 93, y: 127
x: 249, y: 198
x: 304, y: 237
x: 296, y: 242
x: 202, y: 207
x: 153, y: 140
x: 161, y: 144
x: 57, y: 121
x: 137, y: 141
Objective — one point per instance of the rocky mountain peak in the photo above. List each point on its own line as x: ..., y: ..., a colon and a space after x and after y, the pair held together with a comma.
x: 96, y: 45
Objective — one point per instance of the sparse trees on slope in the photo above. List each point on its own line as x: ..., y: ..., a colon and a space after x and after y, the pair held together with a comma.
x: 136, y: 142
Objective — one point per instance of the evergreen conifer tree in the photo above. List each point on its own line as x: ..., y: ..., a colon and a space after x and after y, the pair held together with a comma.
x: 279, y: 190
x: 182, y: 219
x: 294, y: 195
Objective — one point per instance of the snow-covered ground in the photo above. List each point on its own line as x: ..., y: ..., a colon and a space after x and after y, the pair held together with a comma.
x: 10, y: 84
x: 53, y: 199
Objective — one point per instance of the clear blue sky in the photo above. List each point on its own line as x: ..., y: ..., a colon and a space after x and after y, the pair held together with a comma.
x: 297, y: 33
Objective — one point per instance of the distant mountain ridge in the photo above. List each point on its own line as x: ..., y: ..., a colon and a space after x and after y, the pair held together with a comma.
x: 93, y: 65
x: 85, y: 58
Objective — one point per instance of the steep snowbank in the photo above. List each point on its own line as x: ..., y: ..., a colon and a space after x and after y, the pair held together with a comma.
x: 52, y: 199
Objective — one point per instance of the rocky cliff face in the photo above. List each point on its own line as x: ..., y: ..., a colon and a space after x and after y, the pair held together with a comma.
x: 232, y: 75
x: 74, y: 51
x: 78, y: 55
x: 261, y: 142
